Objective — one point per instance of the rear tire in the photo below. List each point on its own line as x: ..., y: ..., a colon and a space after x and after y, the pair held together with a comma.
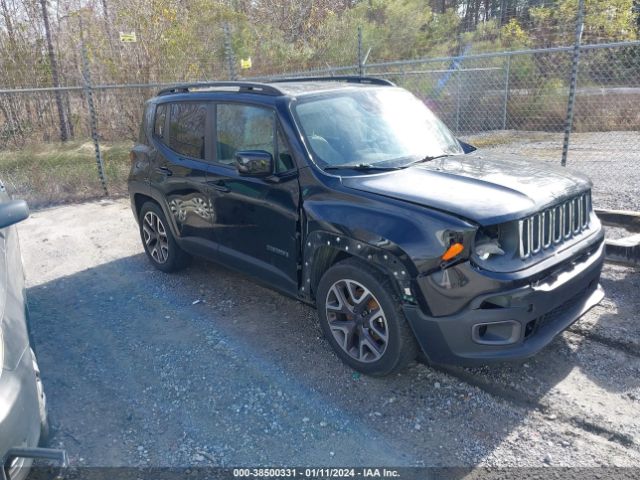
x: 363, y: 320
x: 159, y: 243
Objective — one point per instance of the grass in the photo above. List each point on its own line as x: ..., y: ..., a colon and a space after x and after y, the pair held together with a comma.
x: 45, y: 174
x: 497, y: 138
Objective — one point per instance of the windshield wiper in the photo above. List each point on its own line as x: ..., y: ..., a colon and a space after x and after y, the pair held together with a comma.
x: 429, y: 158
x: 360, y: 167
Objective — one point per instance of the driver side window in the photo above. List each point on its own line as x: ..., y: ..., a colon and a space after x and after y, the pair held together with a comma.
x: 243, y: 127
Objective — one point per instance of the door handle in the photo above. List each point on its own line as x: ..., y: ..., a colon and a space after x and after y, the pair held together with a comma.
x: 164, y: 171
x: 220, y: 186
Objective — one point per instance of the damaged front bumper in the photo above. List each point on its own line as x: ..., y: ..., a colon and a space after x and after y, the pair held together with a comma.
x: 512, y: 322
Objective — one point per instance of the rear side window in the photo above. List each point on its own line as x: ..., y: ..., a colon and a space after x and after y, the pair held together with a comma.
x: 145, y: 123
x: 187, y: 129
x: 159, y: 122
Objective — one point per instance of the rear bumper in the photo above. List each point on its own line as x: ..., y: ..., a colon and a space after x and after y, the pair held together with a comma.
x: 513, y: 323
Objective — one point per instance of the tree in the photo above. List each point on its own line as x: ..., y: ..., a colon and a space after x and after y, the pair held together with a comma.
x: 53, y: 65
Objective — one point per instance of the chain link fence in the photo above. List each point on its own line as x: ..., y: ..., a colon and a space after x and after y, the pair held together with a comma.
x: 514, y: 102
x: 518, y: 103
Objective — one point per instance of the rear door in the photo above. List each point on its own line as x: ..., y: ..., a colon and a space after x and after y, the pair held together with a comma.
x: 182, y: 135
x: 256, y: 220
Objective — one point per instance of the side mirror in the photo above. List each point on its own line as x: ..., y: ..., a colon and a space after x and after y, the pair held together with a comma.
x: 12, y: 212
x: 467, y: 147
x: 254, y: 163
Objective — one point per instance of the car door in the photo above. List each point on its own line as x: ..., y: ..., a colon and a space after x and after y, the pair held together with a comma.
x: 181, y: 135
x: 256, y: 220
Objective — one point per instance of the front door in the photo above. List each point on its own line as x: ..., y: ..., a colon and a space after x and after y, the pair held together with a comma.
x: 256, y: 218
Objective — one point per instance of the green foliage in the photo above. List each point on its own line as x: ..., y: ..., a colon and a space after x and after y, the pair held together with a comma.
x: 612, y: 20
x: 604, y: 20
x: 185, y: 39
x: 513, y: 36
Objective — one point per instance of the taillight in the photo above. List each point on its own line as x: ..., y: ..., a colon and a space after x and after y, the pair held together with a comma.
x: 132, y: 156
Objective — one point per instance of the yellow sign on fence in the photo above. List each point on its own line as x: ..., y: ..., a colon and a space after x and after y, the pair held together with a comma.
x: 245, y: 63
x: 128, y: 37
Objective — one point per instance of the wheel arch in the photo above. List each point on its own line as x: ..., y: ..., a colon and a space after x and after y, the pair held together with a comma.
x: 139, y: 199
x: 322, y: 250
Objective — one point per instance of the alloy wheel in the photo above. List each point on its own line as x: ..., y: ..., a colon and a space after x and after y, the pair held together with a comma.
x: 155, y: 237
x: 357, y: 321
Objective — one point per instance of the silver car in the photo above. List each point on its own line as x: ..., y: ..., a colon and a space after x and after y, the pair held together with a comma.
x: 23, y: 409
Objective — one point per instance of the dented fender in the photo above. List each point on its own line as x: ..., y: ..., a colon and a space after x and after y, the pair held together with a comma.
x: 381, y: 255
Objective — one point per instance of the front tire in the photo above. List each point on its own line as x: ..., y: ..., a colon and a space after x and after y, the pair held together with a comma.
x: 362, y: 319
x: 158, y: 241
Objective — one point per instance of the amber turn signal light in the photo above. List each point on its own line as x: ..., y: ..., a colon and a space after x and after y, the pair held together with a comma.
x: 453, y: 251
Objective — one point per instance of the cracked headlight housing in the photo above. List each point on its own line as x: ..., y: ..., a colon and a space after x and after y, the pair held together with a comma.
x: 488, y: 243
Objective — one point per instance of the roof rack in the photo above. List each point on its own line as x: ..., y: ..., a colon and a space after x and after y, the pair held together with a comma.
x: 338, y: 78
x: 243, y: 87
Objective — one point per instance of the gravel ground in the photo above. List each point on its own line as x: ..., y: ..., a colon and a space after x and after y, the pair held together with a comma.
x: 205, y: 367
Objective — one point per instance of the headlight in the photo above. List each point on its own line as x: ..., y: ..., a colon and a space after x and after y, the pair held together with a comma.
x: 487, y: 243
x: 487, y: 248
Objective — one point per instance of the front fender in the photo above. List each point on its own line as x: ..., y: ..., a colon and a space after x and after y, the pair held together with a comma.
x: 401, y: 239
x: 415, y: 234
x: 383, y: 255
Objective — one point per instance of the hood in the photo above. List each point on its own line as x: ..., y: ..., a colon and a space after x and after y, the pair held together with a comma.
x: 482, y: 187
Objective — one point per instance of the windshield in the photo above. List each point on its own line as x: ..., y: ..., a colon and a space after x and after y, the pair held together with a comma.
x: 384, y: 126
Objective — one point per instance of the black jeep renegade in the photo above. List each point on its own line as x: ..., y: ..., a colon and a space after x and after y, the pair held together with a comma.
x: 348, y: 193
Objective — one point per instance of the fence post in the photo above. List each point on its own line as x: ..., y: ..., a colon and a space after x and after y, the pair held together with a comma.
x: 228, y: 52
x: 458, y: 99
x: 506, y: 93
x: 568, y: 126
x: 93, y: 121
x: 360, y: 62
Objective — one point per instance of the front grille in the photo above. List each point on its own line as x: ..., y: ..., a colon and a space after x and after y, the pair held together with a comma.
x: 554, y: 225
